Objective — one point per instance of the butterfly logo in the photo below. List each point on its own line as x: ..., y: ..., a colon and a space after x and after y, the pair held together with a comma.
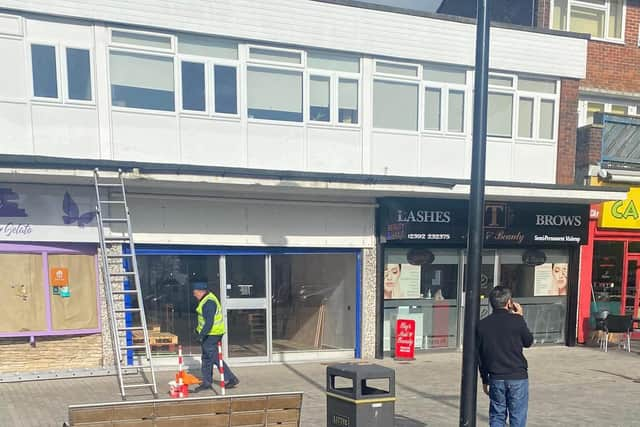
x: 72, y: 213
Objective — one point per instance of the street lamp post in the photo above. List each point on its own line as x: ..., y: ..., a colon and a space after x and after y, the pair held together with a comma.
x: 469, y: 385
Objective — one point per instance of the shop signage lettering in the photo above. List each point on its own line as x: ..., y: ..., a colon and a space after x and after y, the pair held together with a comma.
x: 424, y: 216
x: 10, y: 229
x: 621, y: 213
x: 405, y: 339
x: 506, y: 224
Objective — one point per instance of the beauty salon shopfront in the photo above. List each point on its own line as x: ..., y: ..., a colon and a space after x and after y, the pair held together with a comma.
x: 532, y: 248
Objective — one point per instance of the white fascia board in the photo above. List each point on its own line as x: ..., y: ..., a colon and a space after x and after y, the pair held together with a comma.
x: 332, y: 26
x: 204, y: 184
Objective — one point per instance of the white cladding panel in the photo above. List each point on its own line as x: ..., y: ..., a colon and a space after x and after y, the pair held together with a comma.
x: 394, y: 154
x: 13, y: 79
x: 16, y: 128
x: 444, y: 158
x: 499, y: 160
x: 145, y: 137
x: 212, y: 142
x: 335, y: 150
x: 311, y: 23
x: 65, y: 131
x: 276, y: 146
x: 220, y: 222
x: 534, y: 162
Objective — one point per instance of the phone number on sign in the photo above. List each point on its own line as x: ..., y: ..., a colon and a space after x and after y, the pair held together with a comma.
x: 424, y: 236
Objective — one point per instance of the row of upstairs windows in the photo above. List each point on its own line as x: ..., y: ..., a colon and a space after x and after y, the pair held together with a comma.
x: 145, y: 69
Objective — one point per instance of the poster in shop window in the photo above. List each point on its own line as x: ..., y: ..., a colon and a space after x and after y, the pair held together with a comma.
x: 551, y: 279
x: 401, y: 281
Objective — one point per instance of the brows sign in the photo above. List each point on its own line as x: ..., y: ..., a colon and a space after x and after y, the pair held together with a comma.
x: 72, y: 212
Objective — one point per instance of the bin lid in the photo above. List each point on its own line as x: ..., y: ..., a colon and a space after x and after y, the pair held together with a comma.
x: 362, y: 371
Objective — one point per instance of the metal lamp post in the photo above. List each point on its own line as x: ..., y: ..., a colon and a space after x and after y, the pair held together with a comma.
x: 469, y: 386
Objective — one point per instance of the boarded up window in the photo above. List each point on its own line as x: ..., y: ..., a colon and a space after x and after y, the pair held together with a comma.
x: 22, y: 295
x: 74, y: 308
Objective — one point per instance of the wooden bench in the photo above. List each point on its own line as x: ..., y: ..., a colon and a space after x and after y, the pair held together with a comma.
x: 249, y: 410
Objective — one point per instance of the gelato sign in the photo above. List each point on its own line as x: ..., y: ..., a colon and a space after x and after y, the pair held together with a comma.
x: 47, y: 213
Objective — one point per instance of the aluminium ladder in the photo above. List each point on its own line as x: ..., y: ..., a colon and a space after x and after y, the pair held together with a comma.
x: 122, y: 287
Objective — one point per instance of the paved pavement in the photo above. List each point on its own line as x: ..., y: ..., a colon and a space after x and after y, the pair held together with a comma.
x: 569, y: 387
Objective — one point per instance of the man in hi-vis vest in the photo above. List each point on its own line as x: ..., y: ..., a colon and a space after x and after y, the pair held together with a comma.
x: 210, y: 330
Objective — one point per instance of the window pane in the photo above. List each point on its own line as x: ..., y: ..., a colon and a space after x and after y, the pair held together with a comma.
x: 559, y: 15
x: 43, y: 65
x: 348, y: 101
x: 500, y: 113
x: 79, y: 74
x: 319, y: 105
x: 395, y: 105
x: 615, y: 19
x: 444, y: 74
x: 584, y: 20
x: 144, y: 40
x: 525, y: 118
x: 213, y: 47
x: 432, y: 103
x: 226, y: 89
x: 275, y: 55
x: 303, y: 287
x: 619, y: 109
x: 546, y: 119
x: 456, y: 111
x: 398, y: 69
x: 246, y: 276
x: 537, y: 85
x: 141, y: 81
x: 500, y: 81
x: 193, y: 90
x: 335, y: 61
x: 274, y: 94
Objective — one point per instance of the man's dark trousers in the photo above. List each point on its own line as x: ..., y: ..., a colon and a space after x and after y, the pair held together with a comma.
x: 210, y: 358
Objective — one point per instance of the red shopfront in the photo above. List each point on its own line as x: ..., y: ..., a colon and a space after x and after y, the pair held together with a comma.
x: 610, y: 266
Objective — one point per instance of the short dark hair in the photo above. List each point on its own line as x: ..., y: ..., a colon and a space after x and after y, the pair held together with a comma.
x: 499, y: 297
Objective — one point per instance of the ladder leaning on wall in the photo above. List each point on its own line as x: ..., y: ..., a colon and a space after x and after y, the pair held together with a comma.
x: 122, y: 288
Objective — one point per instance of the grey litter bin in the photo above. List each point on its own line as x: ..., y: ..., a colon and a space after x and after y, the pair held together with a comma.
x: 355, y: 397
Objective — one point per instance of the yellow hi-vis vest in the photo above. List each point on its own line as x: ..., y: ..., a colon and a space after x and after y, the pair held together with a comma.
x: 218, y: 321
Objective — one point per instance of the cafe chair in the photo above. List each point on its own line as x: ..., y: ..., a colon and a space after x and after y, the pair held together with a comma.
x: 598, y: 330
x: 617, y: 324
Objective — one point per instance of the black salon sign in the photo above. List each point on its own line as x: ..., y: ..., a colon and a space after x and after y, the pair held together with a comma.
x: 506, y: 224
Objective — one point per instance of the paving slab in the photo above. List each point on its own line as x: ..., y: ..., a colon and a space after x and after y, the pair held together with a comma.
x: 577, y: 386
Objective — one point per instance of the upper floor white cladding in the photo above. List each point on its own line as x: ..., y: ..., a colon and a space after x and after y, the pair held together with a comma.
x: 286, y: 84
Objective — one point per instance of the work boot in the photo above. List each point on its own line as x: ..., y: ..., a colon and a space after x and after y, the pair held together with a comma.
x: 202, y: 387
x: 231, y: 384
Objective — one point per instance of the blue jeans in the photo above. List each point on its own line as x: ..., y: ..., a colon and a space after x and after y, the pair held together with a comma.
x: 508, y: 397
x: 210, y: 358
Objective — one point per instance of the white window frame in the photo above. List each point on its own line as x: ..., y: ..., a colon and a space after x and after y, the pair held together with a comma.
x: 177, y: 92
x: 62, y: 77
x: 444, y: 105
x: 592, y: 6
x: 276, y: 66
x: 394, y: 78
x: 583, y: 107
x: 141, y: 48
x: 537, y: 98
x: 334, y: 106
x: 209, y: 87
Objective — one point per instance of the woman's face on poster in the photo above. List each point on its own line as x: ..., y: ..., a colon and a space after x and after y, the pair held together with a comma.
x: 391, y: 278
x: 559, y: 273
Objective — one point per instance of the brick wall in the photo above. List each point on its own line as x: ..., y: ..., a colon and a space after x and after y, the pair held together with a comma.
x: 51, y: 353
x: 542, y: 13
x: 568, y: 123
x: 588, y: 149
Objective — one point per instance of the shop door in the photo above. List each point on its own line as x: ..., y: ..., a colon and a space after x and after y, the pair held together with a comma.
x: 247, y: 317
x: 630, y: 292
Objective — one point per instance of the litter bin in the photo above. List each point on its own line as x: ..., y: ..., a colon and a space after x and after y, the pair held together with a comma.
x: 360, y: 395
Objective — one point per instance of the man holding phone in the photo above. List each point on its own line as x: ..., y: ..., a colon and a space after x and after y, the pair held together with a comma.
x: 501, y: 336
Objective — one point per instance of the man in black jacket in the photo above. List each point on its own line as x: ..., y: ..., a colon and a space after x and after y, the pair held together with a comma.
x: 503, y: 368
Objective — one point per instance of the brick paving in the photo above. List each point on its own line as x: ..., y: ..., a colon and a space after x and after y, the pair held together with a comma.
x: 569, y: 387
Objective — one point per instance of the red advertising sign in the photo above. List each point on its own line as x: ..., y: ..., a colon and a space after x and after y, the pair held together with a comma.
x: 405, y: 339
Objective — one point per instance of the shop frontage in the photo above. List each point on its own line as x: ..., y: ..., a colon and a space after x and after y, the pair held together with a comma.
x: 611, y: 262
x: 532, y: 248
x: 280, y: 304
x: 49, y: 294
